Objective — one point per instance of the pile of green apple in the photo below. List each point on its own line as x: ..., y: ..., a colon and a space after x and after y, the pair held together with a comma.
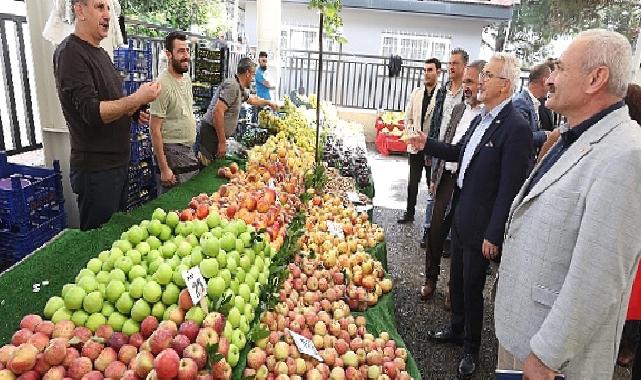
x: 142, y: 275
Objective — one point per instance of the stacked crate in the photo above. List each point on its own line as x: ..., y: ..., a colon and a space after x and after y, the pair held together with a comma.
x: 31, y: 208
x: 210, y: 67
x: 135, y: 65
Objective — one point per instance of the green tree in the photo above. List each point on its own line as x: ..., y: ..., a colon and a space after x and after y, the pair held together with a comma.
x: 536, y: 23
x: 178, y: 14
x: 332, y: 20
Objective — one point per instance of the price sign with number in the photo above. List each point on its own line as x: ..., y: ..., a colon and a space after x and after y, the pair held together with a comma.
x: 305, y: 346
x: 335, y: 229
x: 196, y: 284
x: 353, y: 197
x: 364, y: 208
x: 271, y: 184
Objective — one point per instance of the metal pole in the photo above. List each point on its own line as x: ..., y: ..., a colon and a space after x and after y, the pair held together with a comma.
x: 318, y: 85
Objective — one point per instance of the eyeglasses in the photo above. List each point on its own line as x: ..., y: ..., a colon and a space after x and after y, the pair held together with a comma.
x: 488, y: 75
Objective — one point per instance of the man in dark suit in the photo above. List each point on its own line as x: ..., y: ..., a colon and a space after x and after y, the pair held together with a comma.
x: 546, y: 117
x: 527, y: 103
x: 493, y: 159
x: 444, y: 178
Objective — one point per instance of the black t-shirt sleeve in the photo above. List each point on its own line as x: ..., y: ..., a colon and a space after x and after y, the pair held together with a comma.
x: 77, y: 85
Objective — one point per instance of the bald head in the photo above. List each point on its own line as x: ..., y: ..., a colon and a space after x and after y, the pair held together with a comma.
x: 609, y: 50
x: 591, y: 74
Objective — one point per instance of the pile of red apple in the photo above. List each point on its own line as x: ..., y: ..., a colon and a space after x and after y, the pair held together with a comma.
x: 44, y: 350
x: 312, y: 305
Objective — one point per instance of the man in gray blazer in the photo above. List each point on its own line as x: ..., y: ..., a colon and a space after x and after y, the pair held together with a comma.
x: 572, y: 239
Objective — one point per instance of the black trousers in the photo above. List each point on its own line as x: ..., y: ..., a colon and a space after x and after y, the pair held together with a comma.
x: 100, y: 194
x: 417, y: 164
x: 467, y: 280
x: 441, y: 223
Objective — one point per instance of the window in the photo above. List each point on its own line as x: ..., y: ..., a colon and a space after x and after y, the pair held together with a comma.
x: 304, y: 38
x: 415, y: 46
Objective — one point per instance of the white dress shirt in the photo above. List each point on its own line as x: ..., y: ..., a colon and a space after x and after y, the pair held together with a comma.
x: 468, y: 115
x: 536, y: 103
x: 487, y: 117
x: 451, y: 99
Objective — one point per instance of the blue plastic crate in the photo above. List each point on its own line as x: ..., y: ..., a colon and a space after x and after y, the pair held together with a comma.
x: 16, y: 245
x: 134, y: 60
x: 141, y: 186
x: 28, y: 195
x: 141, y: 146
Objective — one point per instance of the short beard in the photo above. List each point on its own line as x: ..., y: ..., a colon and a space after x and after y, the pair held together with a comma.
x: 177, y: 67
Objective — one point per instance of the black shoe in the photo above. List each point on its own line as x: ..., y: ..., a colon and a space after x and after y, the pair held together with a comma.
x: 467, y: 366
x: 407, y: 218
x: 424, y: 239
x: 445, y: 336
x: 446, y: 250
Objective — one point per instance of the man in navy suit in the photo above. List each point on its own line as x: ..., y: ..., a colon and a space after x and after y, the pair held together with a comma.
x: 527, y: 103
x: 493, y: 159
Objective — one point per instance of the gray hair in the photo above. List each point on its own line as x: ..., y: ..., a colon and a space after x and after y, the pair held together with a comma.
x: 73, y: 5
x: 509, y: 69
x: 610, y: 49
x: 477, y: 64
x: 245, y: 65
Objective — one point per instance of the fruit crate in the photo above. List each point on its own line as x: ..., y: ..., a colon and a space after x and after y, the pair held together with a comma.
x: 135, y: 64
x: 141, y: 186
x: 14, y: 246
x: 210, y: 65
x: 141, y: 147
x: 29, y: 195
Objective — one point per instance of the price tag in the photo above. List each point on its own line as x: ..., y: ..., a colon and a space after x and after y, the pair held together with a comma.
x: 353, y: 197
x: 196, y: 284
x: 305, y: 346
x: 364, y: 208
x: 335, y: 229
x: 271, y: 184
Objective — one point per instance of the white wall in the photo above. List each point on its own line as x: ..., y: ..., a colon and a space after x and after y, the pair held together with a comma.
x: 363, y: 28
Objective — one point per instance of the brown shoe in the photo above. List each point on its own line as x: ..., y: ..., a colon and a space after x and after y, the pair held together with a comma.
x: 427, y: 291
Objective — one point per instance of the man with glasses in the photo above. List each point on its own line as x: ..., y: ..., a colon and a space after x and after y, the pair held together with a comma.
x: 492, y: 160
x: 444, y: 178
x: 221, y: 118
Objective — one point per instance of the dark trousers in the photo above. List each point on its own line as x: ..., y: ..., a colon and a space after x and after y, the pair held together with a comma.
x: 208, y: 141
x: 467, y: 280
x: 636, y: 368
x: 100, y: 194
x: 417, y: 164
x: 441, y: 223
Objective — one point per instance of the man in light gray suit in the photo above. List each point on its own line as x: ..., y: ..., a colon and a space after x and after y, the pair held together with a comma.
x: 572, y: 238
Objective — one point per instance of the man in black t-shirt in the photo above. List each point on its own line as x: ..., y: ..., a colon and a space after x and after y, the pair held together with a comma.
x: 97, y: 114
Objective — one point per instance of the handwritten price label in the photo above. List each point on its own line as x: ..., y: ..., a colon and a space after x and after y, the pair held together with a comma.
x: 305, y: 346
x: 353, y: 197
x: 196, y: 284
x: 271, y: 184
x: 335, y: 229
x: 364, y: 208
